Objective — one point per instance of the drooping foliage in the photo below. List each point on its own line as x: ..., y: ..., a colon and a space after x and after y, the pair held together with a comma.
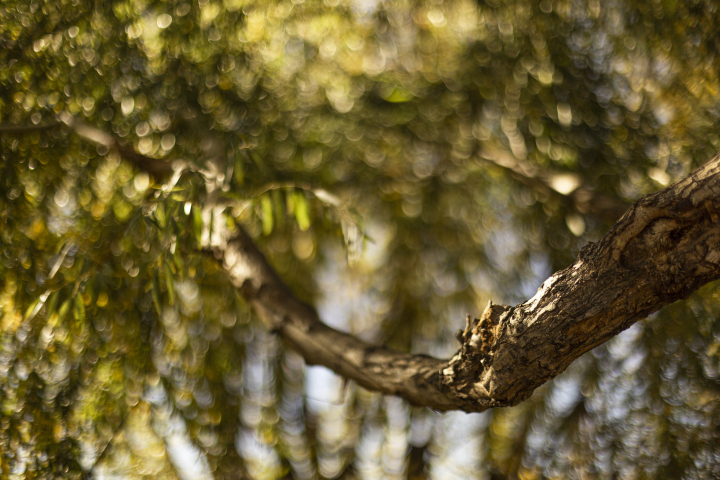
x: 400, y: 163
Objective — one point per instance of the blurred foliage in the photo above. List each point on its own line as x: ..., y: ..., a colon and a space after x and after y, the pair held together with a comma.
x: 124, y: 351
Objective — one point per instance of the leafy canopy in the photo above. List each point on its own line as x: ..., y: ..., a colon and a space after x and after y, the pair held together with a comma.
x: 461, y: 151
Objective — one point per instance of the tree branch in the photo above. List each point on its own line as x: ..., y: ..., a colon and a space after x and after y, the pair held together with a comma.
x: 565, y: 184
x: 156, y: 167
x: 106, y: 449
x: 665, y: 247
x: 19, y: 129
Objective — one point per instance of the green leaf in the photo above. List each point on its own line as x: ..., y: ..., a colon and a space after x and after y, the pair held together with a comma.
x: 30, y: 309
x: 278, y: 206
x: 211, y: 227
x: 89, y: 291
x: 80, y: 264
x: 197, y: 224
x: 178, y: 261
x: 267, y: 214
x: 170, y: 282
x: 64, y: 308
x: 160, y: 215
x: 398, y: 95
x: 301, y: 211
x: 79, y: 311
x: 290, y: 203
x: 52, y: 302
x: 239, y: 170
x: 156, y: 292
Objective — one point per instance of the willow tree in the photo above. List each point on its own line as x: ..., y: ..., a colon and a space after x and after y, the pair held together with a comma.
x: 178, y: 180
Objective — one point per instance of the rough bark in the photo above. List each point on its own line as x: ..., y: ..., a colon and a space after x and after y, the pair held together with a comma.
x: 666, y: 246
x: 663, y: 248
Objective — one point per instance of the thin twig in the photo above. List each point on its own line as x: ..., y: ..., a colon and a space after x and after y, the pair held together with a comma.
x: 106, y: 448
x: 43, y: 298
x: 157, y: 167
x: 29, y: 128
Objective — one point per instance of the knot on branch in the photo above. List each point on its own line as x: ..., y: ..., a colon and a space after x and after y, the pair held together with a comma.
x: 477, y: 344
x: 480, y: 333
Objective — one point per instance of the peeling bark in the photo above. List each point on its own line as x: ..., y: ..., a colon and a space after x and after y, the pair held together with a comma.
x: 666, y: 246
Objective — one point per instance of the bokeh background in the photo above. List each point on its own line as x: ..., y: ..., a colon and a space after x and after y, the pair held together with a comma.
x: 400, y: 163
